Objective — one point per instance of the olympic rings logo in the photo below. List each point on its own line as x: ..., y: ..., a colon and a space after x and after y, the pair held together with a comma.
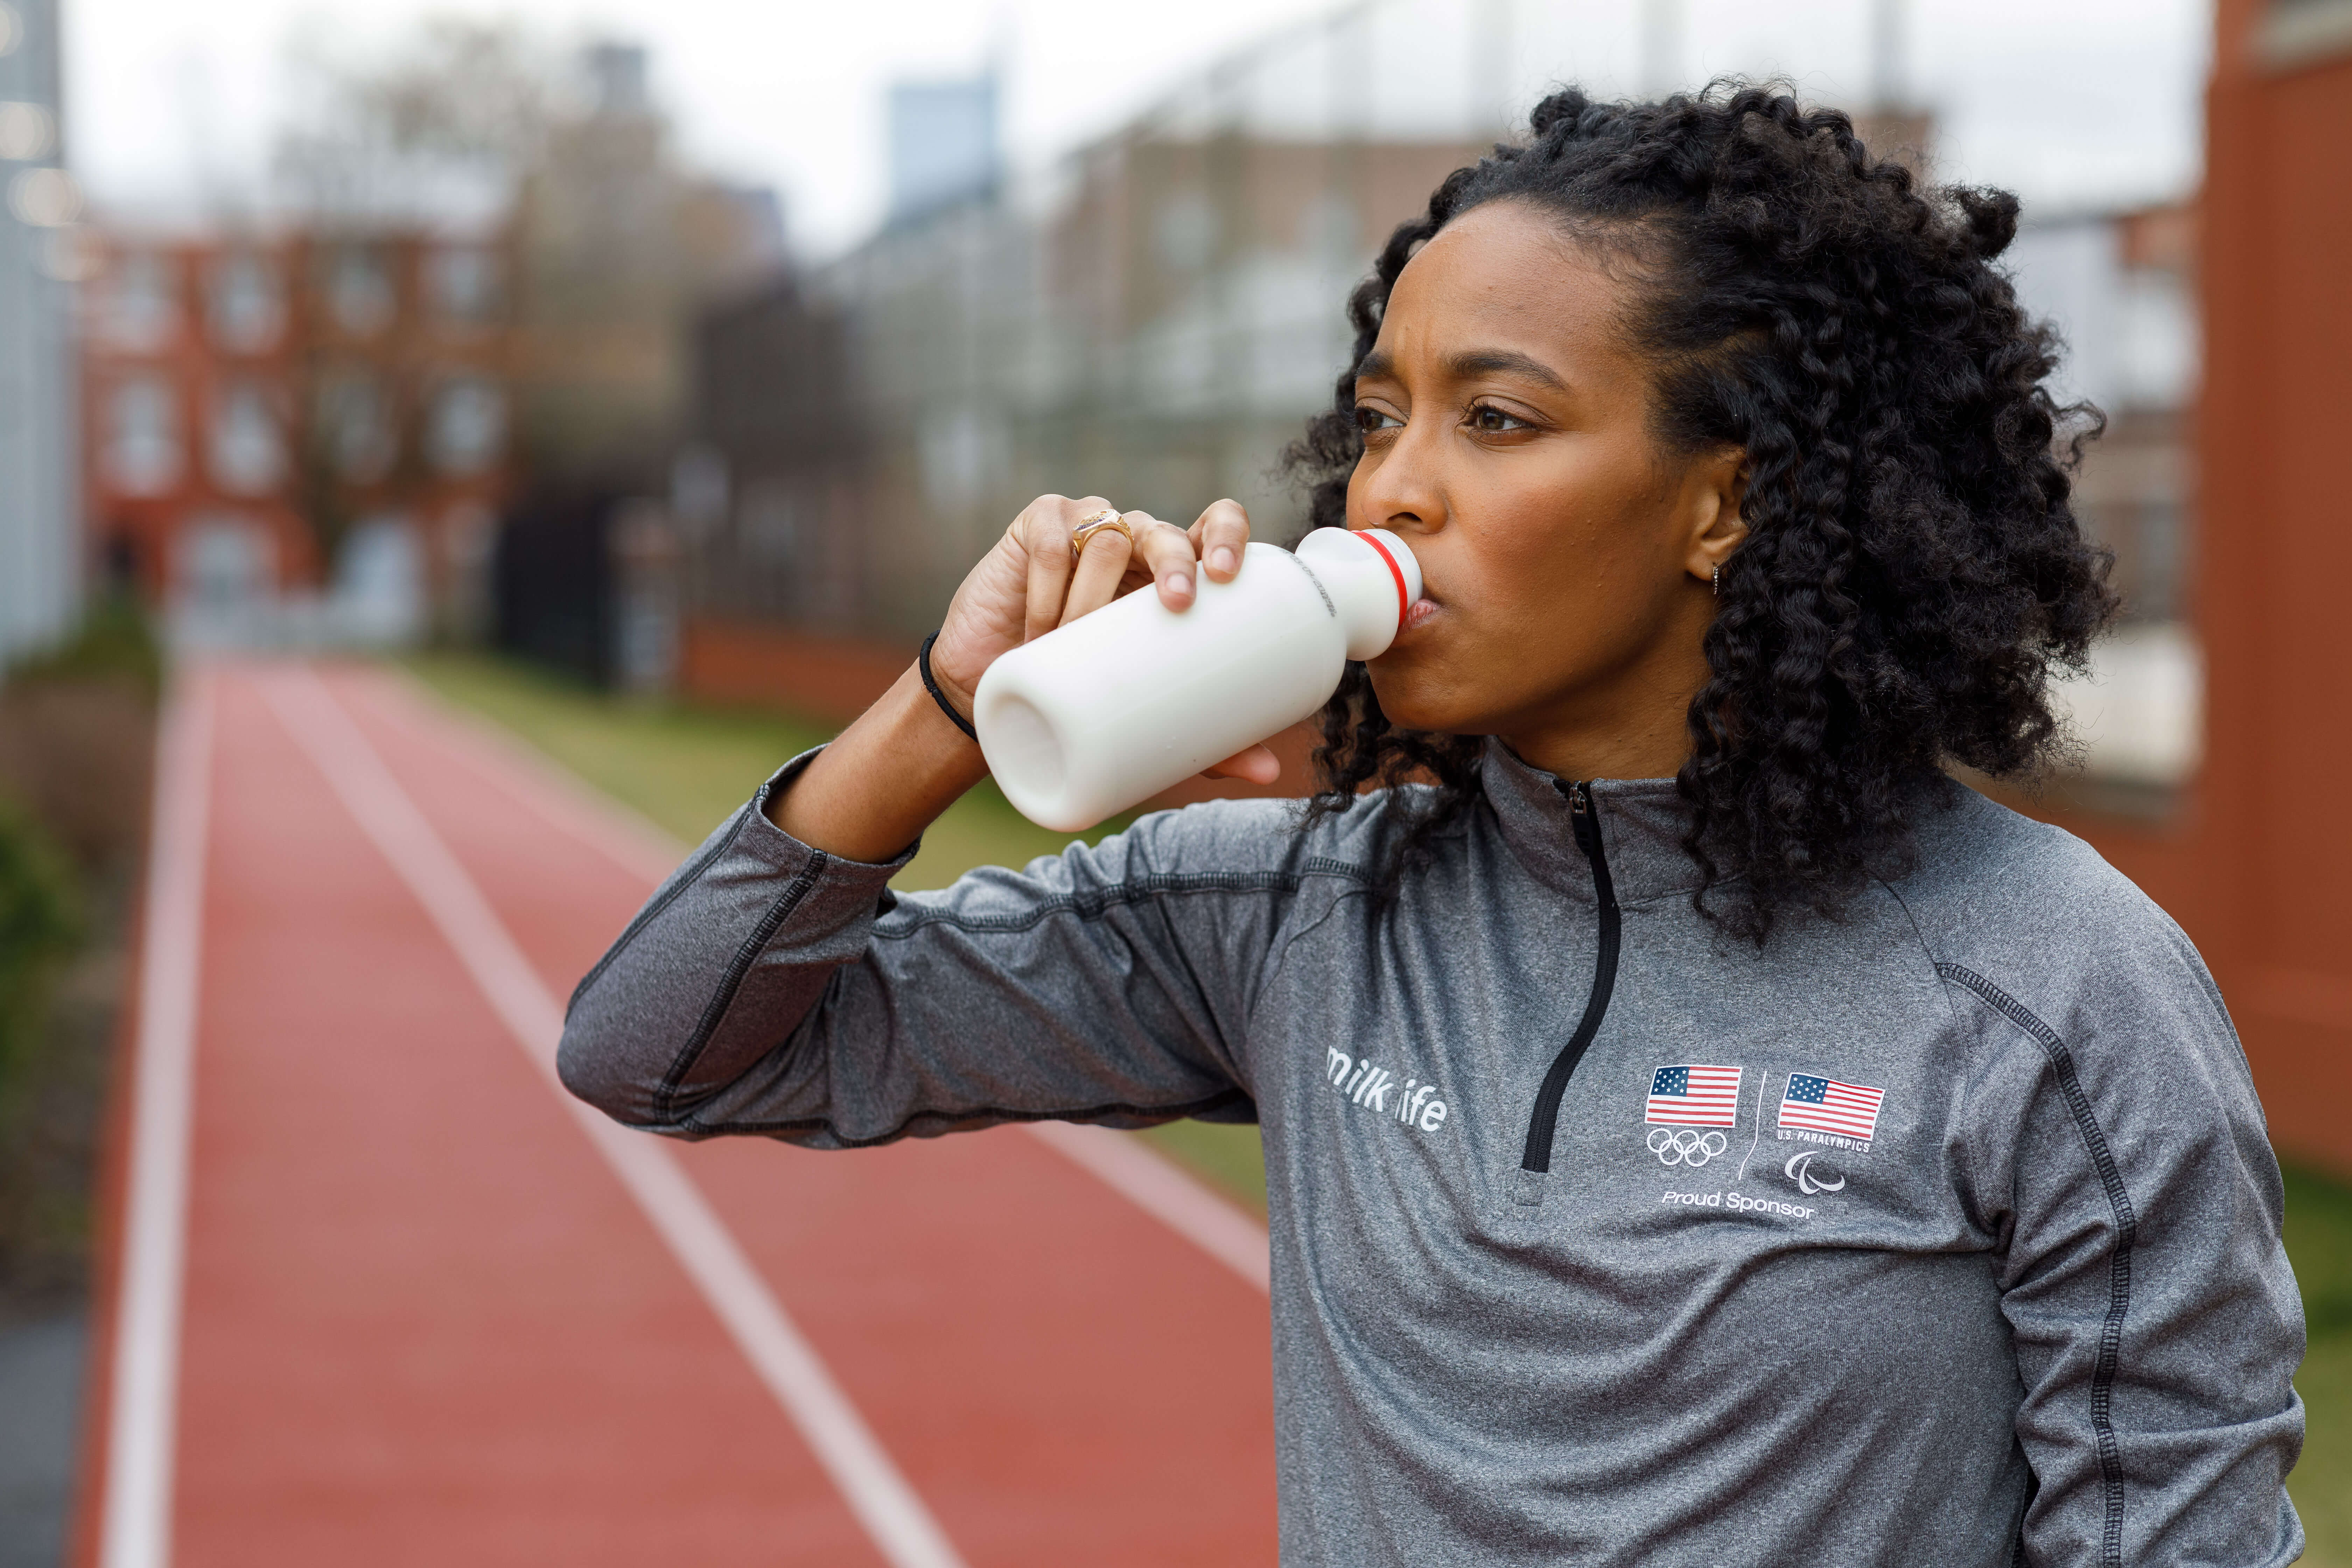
x: 1679, y: 1146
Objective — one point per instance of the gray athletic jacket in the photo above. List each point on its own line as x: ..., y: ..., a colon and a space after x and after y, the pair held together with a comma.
x: 1946, y: 1234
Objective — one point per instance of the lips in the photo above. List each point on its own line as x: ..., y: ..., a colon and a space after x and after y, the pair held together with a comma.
x: 1416, y: 613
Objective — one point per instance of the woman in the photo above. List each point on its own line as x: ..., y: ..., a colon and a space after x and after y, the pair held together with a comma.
x: 1697, y: 1131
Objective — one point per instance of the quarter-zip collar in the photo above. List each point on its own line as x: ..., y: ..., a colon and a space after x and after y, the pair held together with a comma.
x: 1642, y: 821
x: 1586, y: 824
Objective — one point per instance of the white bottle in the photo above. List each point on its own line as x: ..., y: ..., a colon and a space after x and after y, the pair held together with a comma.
x: 1098, y: 715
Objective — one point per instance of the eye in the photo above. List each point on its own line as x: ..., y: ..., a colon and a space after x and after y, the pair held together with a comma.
x: 1489, y: 420
x: 1374, y: 421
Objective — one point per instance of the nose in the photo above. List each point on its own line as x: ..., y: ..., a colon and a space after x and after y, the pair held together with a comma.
x: 1401, y: 487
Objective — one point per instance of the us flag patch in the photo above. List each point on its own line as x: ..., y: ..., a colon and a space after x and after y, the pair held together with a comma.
x: 1694, y: 1096
x: 1823, y: 1105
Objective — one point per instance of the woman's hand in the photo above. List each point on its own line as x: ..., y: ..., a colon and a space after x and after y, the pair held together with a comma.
x: 1027, y: 586
x: 889, y: 775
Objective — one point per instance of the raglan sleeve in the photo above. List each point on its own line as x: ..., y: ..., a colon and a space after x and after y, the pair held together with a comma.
x: 2118, y: 1152
x: 767, y: 987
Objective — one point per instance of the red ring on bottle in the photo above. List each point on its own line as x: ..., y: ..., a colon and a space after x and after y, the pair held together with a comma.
x: 1404, y: 600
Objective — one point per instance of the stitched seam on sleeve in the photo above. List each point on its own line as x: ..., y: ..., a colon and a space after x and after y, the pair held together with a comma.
x: 677, y: 884
x: 1095, y: 904
x: 2102, y: 1372
x: 666, y: 1097
x: 692, y: 1128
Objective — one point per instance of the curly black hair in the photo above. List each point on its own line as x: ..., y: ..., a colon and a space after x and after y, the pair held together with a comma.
x: 1913, y: 572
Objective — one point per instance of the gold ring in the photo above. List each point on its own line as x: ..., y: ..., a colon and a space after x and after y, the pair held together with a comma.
x: 1094, y: 523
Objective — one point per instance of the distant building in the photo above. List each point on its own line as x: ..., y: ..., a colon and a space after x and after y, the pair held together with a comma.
x: 41, y: 560
x: 1153, y: 319
x: 768, y: 495
x: 2122, y: 288
x: 615, y: 249
x: 1158, y: 336
x: 272, y: 418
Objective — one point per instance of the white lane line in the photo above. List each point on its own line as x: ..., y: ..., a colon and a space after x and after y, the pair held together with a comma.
x: 1167, y: 1193
x: 869, y: 1481
x: 1172, y: 1195
x: 135, y: 1519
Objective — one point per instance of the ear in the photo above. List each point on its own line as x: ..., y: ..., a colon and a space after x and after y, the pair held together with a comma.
x: 1715, y: 490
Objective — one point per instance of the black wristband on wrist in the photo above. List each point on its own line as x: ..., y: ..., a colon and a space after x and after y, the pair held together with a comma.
x: 931, y: 685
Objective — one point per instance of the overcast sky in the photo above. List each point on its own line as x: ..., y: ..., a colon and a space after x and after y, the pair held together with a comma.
x: 2073, y: 103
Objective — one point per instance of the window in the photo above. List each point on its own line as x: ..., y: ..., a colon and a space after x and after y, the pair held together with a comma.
x: 464, y: 285
x: 138, y: 305
x: 359, y: 291
x: 468, y: 424
x: 1185, y: 232
x: 247, y: 309
x: 248, y: 454
x: 354, y: 420
x: 143, y: 455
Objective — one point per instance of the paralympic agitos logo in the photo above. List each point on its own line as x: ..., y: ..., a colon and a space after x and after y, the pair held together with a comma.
x: 1800, y: 1169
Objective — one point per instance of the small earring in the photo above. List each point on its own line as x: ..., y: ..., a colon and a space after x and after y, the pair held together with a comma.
x: 1715, y: 581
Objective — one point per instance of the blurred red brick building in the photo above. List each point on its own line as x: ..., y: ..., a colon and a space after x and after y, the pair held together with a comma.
x: 251, y: 403
x: 2258, y: 866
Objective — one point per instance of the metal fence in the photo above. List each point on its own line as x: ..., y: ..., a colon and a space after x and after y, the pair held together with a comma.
x: 1154, y: 316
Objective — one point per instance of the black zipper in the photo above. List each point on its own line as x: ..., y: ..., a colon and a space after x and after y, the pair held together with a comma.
x: 1587, y: 823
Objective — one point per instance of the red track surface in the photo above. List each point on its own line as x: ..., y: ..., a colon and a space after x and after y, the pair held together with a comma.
x: 423, y: 1322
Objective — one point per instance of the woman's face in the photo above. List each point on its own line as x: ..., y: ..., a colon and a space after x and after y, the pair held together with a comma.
x: 1565, y: 554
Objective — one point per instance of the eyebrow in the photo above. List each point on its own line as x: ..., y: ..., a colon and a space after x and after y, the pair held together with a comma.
x: 1506, y: 362
x: 1470, y: 363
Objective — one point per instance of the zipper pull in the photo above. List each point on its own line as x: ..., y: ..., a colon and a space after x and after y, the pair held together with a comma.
x: 1580, y: 816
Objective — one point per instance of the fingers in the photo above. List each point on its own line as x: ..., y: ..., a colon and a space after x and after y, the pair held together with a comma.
x: 1163, y: 553
x: 1095, y: 582
x: 1060, y: 590
x: 1043, y: 531
x: 1218, y: 537
x: 1258, y: 765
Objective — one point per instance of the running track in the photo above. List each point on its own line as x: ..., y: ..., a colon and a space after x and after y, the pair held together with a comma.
x: 382, y: 1294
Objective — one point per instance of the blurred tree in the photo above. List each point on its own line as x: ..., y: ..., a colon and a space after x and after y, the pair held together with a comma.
x: 454, y: 113
x: 614, y: 245
x: 75, y: 731
x: 39, y: 924
x: 388, y: 157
